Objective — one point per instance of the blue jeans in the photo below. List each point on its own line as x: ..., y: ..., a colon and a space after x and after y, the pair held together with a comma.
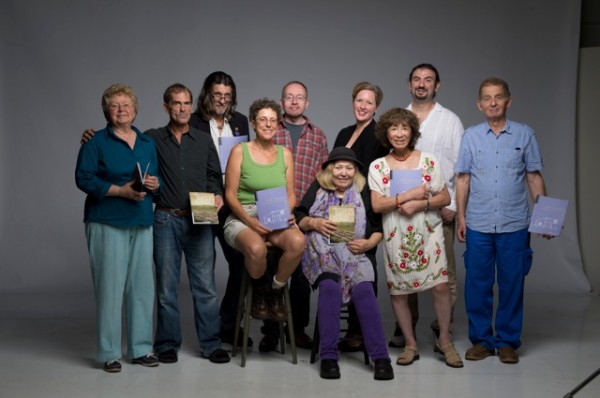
x: 174, y: 236
x: 504, y: 258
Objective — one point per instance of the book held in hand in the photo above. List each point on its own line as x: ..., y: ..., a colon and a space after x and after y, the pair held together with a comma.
x: 273, y: 208
x: 343, y: 216
x: 548, y: 215
x: 226, y: 144
x: 204, y: 210
x: 139, y: 177
x: 404, y: 180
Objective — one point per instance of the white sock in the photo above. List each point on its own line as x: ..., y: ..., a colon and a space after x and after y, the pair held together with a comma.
x: 278, y: 285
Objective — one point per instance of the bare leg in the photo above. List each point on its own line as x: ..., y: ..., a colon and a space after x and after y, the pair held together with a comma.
x: 404, y: 318
x: 254, y: 250
x: 292, y: 242
x: 442, y: 304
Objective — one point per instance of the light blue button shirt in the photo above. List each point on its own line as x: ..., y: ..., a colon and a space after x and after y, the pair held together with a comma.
x: 498, y: 165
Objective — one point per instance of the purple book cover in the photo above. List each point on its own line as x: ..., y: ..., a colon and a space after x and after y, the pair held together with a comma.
x: 404, y: 180
x: 273, y: 208
x: 226, y: 144
x: 548, y: 216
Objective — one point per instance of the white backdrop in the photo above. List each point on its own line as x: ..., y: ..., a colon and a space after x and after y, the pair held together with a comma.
x: 58, y: 56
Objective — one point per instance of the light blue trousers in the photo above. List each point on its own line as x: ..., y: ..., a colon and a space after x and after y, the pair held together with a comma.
x: 121, y: 264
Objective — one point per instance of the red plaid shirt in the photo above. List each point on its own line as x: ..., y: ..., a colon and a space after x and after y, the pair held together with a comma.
x: 309, y: 154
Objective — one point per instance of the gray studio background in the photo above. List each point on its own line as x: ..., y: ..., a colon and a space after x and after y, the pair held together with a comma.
x: 58, y: 56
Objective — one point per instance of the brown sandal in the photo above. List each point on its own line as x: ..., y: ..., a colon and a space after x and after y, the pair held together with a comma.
x: 408, y: 356
x: 451, y: 357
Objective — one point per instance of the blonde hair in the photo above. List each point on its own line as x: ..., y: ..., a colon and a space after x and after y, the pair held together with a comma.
x: 325, y: 177
x: 118, y: 89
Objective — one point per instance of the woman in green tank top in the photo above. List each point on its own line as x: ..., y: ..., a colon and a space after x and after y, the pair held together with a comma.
x: 252, y: 167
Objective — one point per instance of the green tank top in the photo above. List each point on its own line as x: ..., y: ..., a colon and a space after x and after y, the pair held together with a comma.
x: 256, y: 177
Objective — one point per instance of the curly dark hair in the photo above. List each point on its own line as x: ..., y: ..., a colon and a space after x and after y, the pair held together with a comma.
x: 264, y: 103
x: 393, y: 117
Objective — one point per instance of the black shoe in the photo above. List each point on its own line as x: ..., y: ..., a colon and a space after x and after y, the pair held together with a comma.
x: 113, y: 366
x: 219, y: 356
x: 227, y: 335
x: 169, y: 356
x: 302, y: 339
x: 269, y: 341
x: 148, y: 361
x: 383, y: 369
x: 329, y: 369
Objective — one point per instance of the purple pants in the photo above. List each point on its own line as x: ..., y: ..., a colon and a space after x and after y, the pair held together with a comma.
x: 367, y: 310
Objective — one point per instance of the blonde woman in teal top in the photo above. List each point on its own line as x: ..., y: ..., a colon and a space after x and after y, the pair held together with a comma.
x: 254, y: 166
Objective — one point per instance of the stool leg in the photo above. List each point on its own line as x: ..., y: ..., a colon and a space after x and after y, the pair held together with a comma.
x: 238, y: 315
x: 247, y: 316
x: 290, y: 323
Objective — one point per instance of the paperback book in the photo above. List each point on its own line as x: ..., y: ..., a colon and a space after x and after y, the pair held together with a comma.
x: 273, y: 208
x: 343, y: 216
x: 548, y: 215
x: 404, y: 180
x: 139, y: 177
x: 226, y: 144
x: 204, y: 210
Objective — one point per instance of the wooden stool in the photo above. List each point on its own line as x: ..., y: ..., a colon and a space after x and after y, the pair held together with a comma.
x: 245, y: 307
x: 317, y: 338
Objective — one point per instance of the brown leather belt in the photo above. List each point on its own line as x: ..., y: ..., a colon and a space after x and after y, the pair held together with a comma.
x: 175, y: 212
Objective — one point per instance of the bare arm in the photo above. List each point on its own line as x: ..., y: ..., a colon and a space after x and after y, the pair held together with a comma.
x: 536, y: 185
x: 463, y: 182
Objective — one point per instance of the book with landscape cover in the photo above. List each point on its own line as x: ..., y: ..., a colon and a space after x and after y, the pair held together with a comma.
x: 204, y: 210
x: 226, y: 144
x: 404, y: 180
x: 343, y: 216
x: 548, y: 215
x: 273, y: 208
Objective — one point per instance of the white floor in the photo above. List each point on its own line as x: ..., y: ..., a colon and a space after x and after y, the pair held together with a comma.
x: 51, y: 355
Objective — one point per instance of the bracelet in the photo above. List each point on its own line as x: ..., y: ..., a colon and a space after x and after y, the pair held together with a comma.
x: 426, y: 206
x: 397, y: 204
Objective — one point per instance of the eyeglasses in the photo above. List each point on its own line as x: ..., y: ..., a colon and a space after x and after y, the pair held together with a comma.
x: 291, y: 98
x: 114, y: 106
x: 220, y: 97
x: 265, y: 120
x: 497, y: 99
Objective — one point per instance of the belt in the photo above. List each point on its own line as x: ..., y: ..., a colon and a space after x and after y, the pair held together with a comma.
x: 175, y: 212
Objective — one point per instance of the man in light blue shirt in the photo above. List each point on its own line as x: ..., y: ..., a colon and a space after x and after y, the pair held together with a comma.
x: 498, y: 160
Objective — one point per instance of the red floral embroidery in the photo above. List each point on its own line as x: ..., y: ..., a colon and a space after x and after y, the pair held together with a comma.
x: 410, y: 228
x: 416, y: 284
x: 402, y: 265
x: 427, y: 177
x: 420, y: 252
x: 392, y: 234
x: 424, y: 260
x: 405, y: 255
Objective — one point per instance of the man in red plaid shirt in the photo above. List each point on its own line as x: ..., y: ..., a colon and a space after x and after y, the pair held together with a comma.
x: 309, y: 145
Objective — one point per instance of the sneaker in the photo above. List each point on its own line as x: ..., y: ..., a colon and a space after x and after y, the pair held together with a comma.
x: 169, y: 356
x: 148, y: 361
x: 113, y: 366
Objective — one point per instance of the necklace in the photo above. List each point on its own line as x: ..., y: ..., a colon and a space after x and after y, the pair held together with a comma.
x: 401, y: 158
